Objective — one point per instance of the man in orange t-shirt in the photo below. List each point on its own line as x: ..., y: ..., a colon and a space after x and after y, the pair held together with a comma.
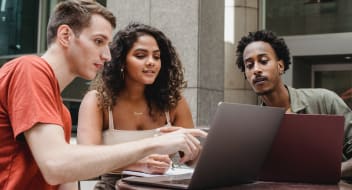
x: 27, y: 98
x: 34, y: 124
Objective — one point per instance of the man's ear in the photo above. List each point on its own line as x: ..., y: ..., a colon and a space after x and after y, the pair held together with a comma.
x: 64, y: 34
x: 281, y: 67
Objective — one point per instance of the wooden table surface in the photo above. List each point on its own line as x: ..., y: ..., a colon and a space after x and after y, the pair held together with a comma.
x: 257, y: 185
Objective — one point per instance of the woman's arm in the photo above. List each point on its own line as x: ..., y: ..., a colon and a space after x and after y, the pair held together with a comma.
x: 90, y: 120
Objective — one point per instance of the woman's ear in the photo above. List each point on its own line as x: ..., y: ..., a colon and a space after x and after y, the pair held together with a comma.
x: 64, y: 34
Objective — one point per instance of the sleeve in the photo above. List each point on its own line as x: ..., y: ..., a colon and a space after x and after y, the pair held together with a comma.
x: 339, y: 107
x: 32, y: 97
x: 347, y: 145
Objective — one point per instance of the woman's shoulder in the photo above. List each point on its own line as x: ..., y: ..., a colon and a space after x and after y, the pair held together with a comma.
x: 180, y: 107
x: 90, y: 97
x: 181, y: 104
x: 181, y: 110
x: 92, y: 94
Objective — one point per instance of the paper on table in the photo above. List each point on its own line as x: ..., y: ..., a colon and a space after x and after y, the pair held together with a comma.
x: 171, y: 171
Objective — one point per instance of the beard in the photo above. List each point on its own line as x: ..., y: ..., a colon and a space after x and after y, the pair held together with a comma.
x: 265, y: 92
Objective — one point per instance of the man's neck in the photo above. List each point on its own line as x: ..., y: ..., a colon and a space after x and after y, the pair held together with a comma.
x: 278, y: 98
x: 57, y: 61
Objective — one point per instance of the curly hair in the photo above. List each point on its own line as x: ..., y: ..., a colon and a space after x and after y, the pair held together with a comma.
x: 278, y: 44
x: 164, y: 93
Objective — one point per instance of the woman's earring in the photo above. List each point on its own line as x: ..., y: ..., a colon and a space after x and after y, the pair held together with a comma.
x: 122, y: 74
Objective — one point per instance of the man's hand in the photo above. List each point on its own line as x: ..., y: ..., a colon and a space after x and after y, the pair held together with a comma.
x: 184, y: 140
x: 152, y: 164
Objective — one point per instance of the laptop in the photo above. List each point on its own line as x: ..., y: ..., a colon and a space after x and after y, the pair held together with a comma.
x: 308, y: 149
x: 237, y: 144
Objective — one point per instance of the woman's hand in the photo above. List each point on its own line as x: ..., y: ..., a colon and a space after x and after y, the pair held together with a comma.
x: 152, y: 164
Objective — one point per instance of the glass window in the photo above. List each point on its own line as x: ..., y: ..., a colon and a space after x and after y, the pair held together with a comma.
x: 23, y: 27
x: 18, y: 26
x: 73, y: 107
x: 102, y: 2
x: 333, y: 72
x: 298, y: 17
x: 76, y: 89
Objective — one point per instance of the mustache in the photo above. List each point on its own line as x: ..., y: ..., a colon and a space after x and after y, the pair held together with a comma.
x: 259, y: 78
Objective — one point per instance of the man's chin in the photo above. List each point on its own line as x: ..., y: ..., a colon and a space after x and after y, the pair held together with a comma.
x: 264, y: 92
x: 89, y: 76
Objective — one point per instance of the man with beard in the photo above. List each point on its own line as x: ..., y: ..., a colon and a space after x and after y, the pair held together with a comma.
x: 264, y: 57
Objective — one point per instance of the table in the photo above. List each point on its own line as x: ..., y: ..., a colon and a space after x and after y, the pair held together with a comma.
x: 260, y: 185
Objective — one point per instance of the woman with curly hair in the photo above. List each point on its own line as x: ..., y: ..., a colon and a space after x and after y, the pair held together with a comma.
x: 136, y: 93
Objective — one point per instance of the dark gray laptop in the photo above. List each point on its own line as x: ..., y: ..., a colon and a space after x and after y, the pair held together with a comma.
x: 238, y: 141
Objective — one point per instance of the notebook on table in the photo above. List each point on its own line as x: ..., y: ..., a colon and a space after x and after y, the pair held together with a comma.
x: 238, y: 141
x: 307, y: 148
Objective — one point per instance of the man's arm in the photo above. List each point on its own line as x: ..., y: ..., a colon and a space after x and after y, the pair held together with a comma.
x: 60, y: 162
x: 339, y: 107
x: 69, y: 186
x: 346, y: 167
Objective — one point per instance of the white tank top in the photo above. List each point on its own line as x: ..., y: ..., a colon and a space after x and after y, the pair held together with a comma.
x: 115, y: 136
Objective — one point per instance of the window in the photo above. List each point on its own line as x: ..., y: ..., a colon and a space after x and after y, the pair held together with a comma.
x: 23, y: 27
x: 299, y: 17
x: 333, y: 72
x: 18, y: 26
x: 336, y: 77
x: 73, y: 107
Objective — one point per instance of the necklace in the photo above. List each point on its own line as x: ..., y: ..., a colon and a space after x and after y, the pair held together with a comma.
x: 137, y: 113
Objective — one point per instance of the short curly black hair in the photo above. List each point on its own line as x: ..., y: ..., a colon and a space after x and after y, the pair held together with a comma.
x: 278, y: 44
x: 164, y: 93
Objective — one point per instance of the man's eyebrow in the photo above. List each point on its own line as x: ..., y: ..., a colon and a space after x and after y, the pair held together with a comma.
x: 259, y: 55
x: 246, y: 59
x: 262, y: 54
x: 102, y: 36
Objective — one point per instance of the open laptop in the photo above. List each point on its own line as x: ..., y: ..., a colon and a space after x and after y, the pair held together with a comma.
x: 238, y: 141
x: 308, y: 148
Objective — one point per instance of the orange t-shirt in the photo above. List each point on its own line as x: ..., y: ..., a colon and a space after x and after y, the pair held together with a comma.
x: 29, y: 94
